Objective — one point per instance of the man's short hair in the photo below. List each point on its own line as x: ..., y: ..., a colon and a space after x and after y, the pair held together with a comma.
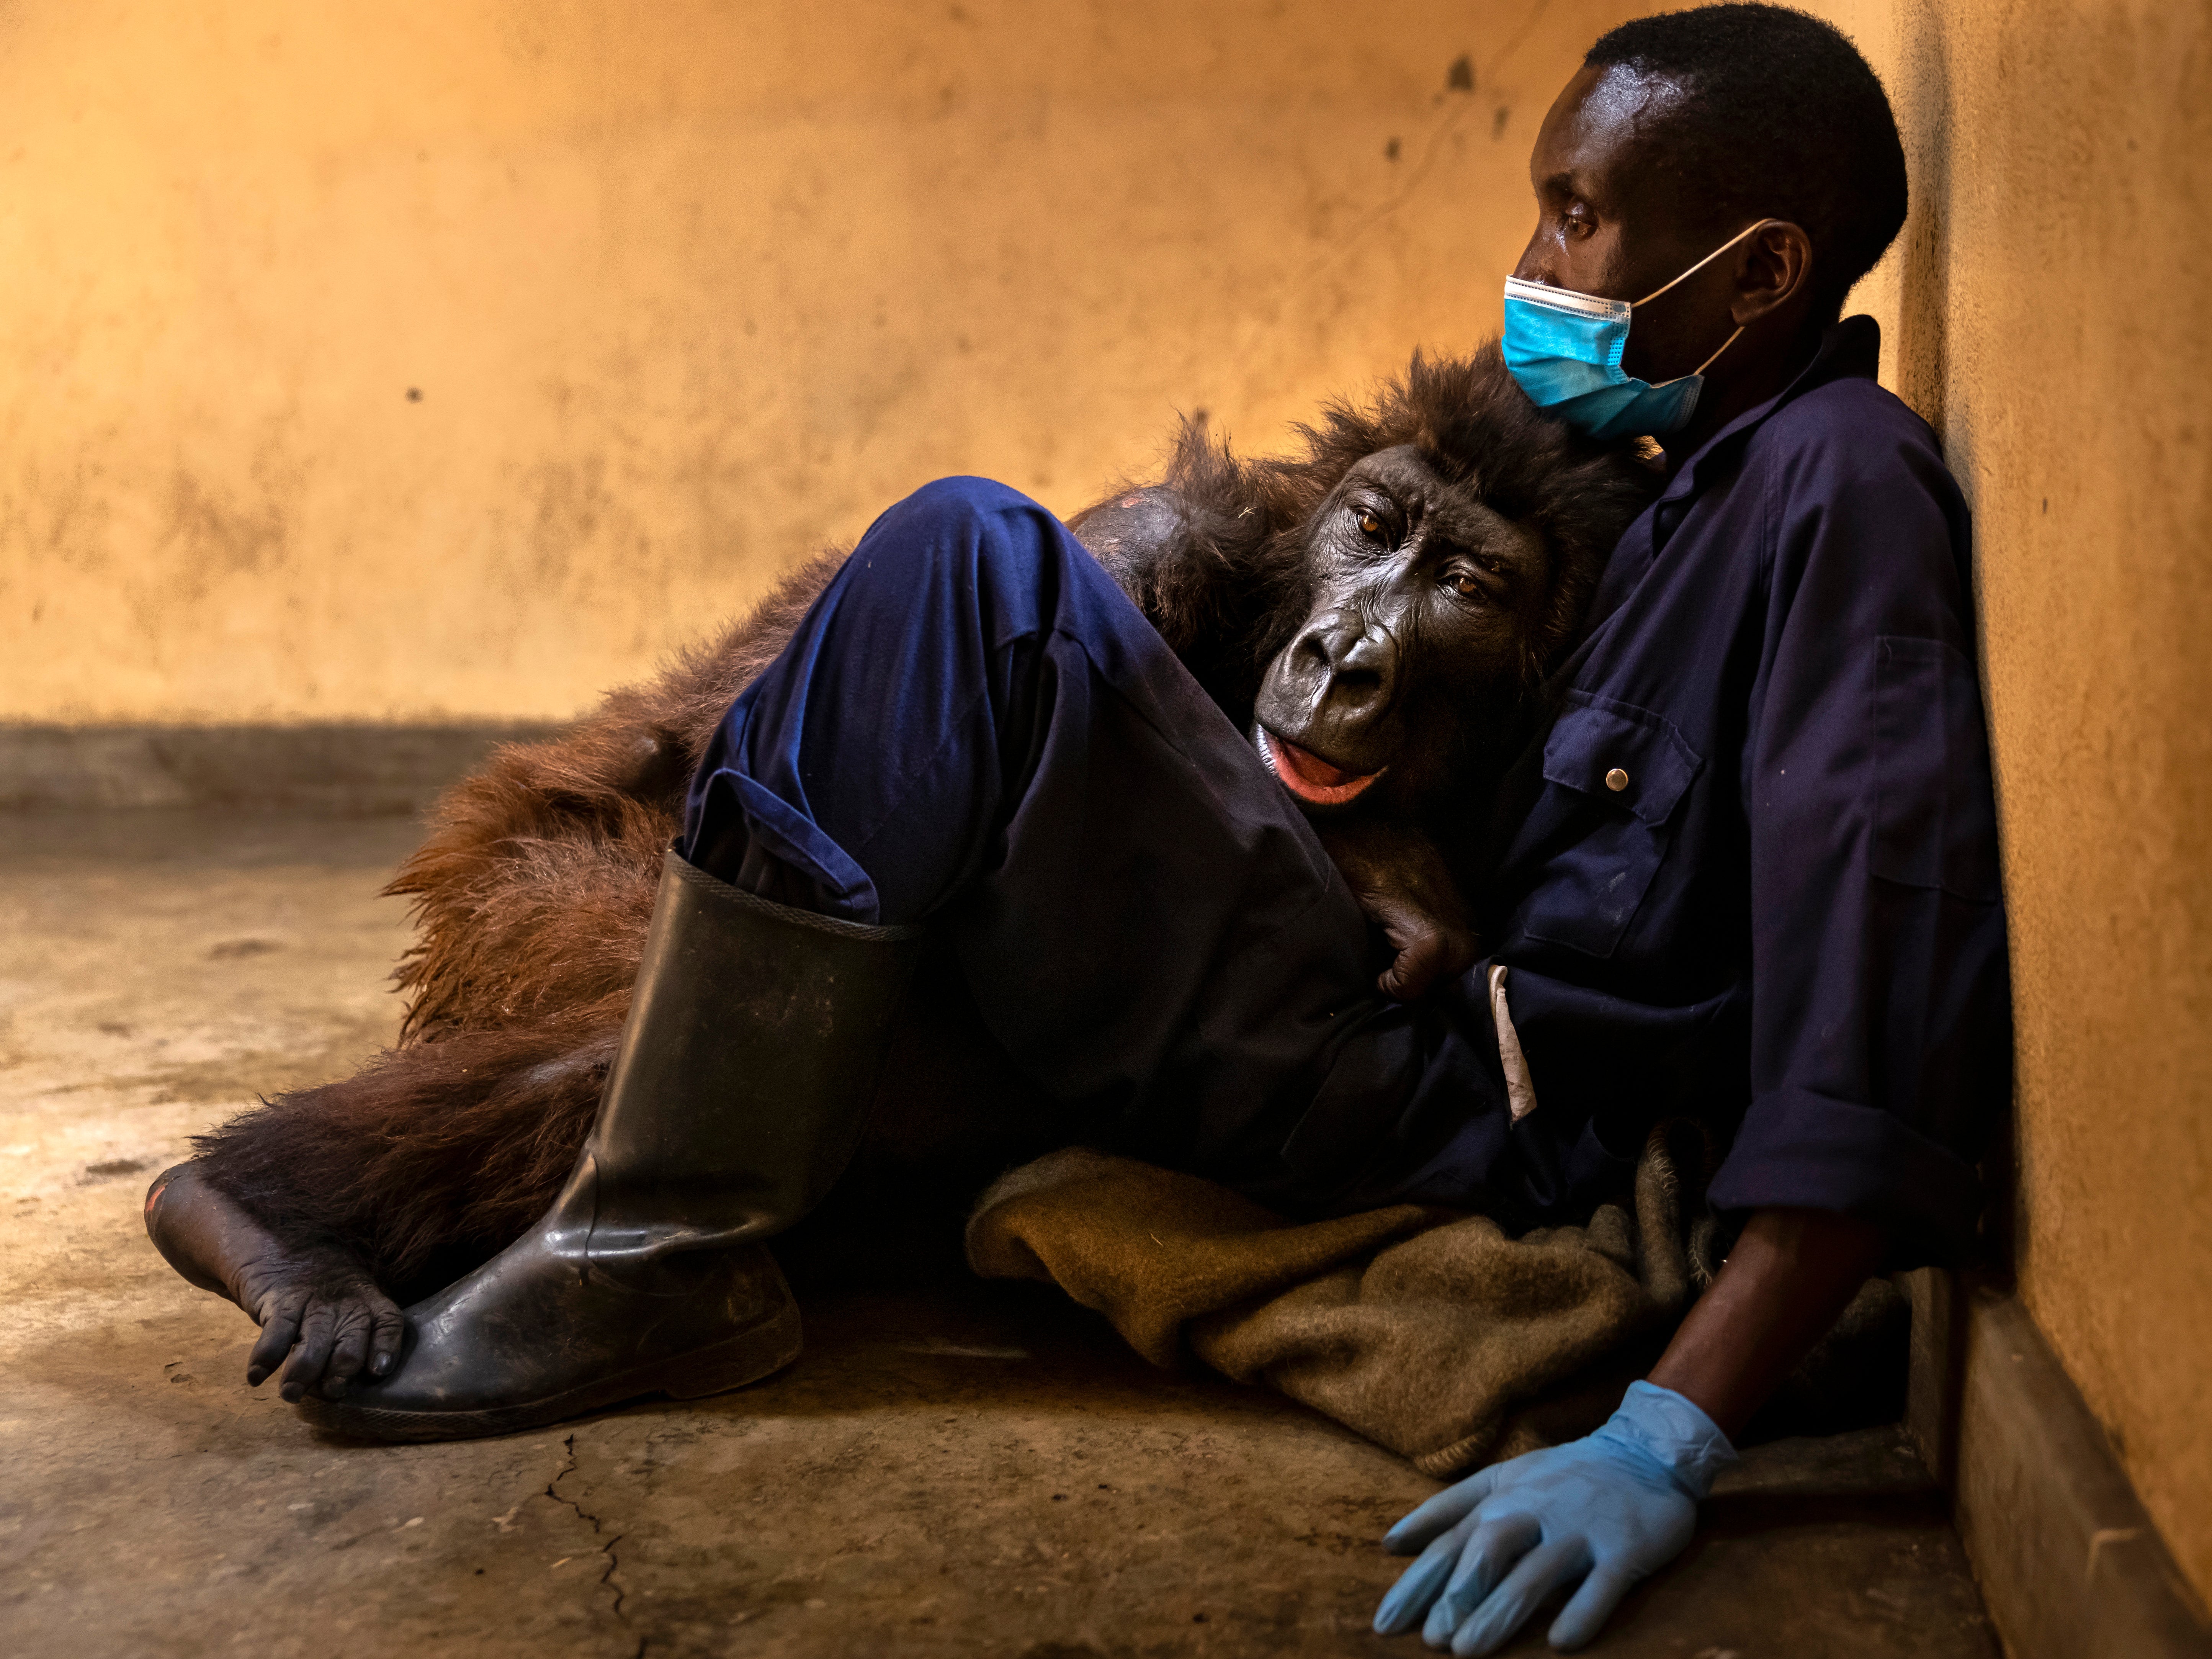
x: 1780, y: 118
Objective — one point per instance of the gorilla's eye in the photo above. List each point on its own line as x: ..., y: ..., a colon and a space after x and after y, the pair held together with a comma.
x: 1463, y: 583
x: 1369, y: 524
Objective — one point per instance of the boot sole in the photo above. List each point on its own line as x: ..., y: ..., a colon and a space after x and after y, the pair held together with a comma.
x: 759, y: 1352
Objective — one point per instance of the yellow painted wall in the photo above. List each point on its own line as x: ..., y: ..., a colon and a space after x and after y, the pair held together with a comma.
x: 2049, y: 310
x: 686, y: 289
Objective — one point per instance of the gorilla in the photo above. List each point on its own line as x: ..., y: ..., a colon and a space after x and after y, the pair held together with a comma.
x: 1379, y: 612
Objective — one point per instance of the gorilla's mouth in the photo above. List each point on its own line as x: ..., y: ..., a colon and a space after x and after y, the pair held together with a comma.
x: 1307, y: 775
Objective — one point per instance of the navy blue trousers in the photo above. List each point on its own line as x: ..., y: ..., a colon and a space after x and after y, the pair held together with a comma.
x: 975, y: 727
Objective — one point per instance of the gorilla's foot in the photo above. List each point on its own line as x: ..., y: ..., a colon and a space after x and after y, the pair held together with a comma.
x: 541, y: 1333
x: 315, y: 1303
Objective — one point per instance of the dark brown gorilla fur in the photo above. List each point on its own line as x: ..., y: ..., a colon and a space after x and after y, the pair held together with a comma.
x: 534, y: 887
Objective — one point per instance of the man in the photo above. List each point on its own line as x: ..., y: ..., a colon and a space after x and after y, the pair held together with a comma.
x: 1796, y: 609
x: 1750, y: 870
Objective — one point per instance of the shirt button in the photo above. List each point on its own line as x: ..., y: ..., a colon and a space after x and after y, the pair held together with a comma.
x: 1616, y: 780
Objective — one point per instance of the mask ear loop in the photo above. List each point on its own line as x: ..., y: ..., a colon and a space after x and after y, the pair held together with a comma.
x: 1758, y: 225
x: 1716, y: 357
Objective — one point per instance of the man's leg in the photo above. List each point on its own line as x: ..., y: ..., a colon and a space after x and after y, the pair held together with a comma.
x: 973, y: 728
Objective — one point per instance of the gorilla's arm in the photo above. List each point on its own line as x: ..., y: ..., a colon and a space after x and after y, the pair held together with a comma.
x: 1405, y: 888
x: 1208, y: 579
x: 314, y: 1301
x: 1135, y: 533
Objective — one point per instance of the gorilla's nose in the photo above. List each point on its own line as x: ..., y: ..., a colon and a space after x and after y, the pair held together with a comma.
x: 1365, y: 667
x: 1330, y: 693
x: 1347, y: 662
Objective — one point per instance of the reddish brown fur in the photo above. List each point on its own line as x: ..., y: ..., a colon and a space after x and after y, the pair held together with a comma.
x: 531, y: 894
x: 534, y: 887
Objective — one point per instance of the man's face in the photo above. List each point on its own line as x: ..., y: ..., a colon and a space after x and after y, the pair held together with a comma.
x: 1612, y: 219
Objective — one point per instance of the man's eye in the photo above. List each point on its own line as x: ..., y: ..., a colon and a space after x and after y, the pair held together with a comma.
x: 1369, y: 524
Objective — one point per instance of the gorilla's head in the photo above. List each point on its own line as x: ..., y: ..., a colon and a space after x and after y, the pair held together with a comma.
x: 1426, y: 561
x: 1428, y: 608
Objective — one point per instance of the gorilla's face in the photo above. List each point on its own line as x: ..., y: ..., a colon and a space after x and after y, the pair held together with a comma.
x: 1425, y: 601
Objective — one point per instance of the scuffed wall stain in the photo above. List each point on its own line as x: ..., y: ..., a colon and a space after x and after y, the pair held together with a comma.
x: 208, y: 533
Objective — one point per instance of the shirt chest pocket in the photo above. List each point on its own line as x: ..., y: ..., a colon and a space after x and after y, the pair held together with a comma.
x: 1616, y: 774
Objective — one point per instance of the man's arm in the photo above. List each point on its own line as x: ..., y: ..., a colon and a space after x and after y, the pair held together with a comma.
x: 1614, y: 1507
x: 1877, y: 1042
x: 1783, y: 1286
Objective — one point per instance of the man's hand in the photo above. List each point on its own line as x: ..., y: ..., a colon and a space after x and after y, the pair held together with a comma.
x: 1614, y: 1507
x: 1608, y: 1510
x: 1403, y: 884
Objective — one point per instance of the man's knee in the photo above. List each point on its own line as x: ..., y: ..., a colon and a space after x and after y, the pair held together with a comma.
x: 964, y: 499
x: 959, y: 526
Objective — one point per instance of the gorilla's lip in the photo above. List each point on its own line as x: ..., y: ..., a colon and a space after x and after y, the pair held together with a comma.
x: 1307, y: 775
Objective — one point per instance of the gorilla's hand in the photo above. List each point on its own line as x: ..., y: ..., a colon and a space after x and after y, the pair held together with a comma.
x: 314, y: 1301
x: 320, y: 1308
x: 1403, y: 884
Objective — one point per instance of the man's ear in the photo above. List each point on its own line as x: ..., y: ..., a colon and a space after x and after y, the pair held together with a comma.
x: 1774, y: 267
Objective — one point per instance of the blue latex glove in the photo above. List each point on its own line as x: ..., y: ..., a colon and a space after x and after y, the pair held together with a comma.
x: 1608, y: 1510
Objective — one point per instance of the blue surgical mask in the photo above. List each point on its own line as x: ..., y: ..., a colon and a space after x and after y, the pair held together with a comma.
x: 1564, y: 348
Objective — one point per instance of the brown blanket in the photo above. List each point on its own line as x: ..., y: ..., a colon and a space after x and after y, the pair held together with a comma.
x: 1427, y: 1330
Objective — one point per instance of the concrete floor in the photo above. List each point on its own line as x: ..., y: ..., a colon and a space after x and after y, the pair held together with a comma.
x: 970, y: 1470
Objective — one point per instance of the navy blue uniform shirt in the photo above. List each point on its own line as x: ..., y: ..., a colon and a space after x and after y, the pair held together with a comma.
x: 1757, y: 877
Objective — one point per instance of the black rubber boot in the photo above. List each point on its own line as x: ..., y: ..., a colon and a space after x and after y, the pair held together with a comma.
x: 737, y: 1096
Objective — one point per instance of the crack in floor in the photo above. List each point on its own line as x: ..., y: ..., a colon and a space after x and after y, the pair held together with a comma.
x: 607, y: 1549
